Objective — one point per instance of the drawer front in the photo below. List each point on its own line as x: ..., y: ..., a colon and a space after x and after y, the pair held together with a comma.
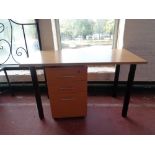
x: 64, y: 87
x: 69, y: 105
x: 66, y: 74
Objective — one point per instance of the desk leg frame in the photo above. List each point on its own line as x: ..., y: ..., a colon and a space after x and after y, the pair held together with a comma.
x: 37, y: 92
x: 117, y: 70
x: 128, y: 89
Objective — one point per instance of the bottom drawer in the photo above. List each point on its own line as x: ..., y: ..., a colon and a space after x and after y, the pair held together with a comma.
x: 69, y: 105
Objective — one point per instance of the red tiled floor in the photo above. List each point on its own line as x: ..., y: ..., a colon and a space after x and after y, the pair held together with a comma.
x: 18, y: 115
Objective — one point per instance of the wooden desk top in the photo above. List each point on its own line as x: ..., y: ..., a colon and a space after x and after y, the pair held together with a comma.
x: 82, y: 57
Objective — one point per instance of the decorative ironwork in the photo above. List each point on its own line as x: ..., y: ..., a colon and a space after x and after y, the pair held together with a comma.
x: 19, y: 50
x: 1, y: 27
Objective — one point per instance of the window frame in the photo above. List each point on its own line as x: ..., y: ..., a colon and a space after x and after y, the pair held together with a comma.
x: 57, y: 36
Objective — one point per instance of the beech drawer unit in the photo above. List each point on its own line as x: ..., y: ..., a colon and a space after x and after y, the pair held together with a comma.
x: 67, y: 89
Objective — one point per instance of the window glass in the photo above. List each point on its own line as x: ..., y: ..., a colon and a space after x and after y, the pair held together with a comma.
x: 87, y: 33
x: 19, y: 42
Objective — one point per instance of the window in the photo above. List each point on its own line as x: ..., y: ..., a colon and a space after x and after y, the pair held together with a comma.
x: 24, y: 37
x: 87, y: 33
x: 21, y: 34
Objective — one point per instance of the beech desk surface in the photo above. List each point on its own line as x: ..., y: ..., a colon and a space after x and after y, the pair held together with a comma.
x: 82, y: 57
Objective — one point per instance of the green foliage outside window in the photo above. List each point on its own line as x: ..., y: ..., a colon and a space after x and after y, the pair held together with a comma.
x: 85, y: 27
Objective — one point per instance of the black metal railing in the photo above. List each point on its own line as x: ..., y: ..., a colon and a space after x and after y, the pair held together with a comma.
x: 18, y: 50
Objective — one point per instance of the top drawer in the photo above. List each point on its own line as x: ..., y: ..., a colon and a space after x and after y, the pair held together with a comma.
x: 66, y: 73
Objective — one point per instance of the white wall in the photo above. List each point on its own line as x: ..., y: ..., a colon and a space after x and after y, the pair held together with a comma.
x: 46, y: 38
x: 139, y: 37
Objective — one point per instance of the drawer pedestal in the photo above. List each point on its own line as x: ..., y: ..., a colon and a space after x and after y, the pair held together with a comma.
x: 67, y: 88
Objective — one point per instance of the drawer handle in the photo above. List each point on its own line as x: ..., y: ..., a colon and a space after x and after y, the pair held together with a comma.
x: 68, y: 76
x: 67, y: 99
x: 69, y: 88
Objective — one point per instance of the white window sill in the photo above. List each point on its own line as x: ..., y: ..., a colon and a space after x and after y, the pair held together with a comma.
x: 20, y: 75
x: 95, y: 73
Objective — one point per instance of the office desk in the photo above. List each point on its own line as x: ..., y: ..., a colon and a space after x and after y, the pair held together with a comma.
x: 84, y: 58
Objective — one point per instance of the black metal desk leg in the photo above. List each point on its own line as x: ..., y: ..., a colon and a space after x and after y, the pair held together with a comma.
x: 128, y: 89
x: 117, y: 70
x: 37, y: 92
x: 46, y: 82
x: 8, y: 81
